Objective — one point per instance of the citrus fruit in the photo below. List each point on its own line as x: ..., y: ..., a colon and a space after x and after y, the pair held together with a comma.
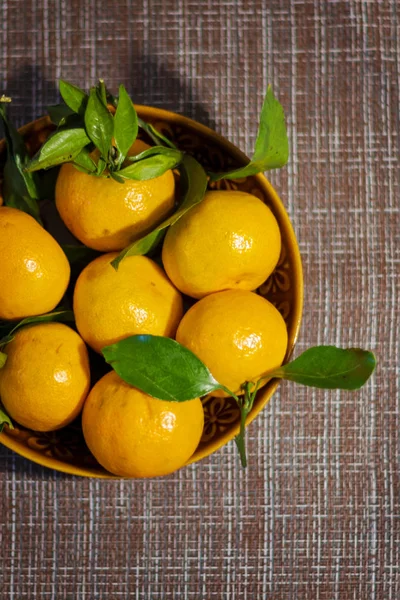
x: 230, y: 240
x: 46, y: 377
x: 132, y: 434
x: 237, y: 334
x: 107, y: 215
x: 34, y: 271
x: 110, y: 305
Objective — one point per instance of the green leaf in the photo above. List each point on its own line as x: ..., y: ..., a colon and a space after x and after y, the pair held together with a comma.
x: 73, y: 96
x: 101, y: 166
x: 154, y: 150
x: 59, y: 114
x: 59, y: 316
x: 85, y: 162
x: 329, y: 367
x: 4, y: 419
x: 160, y: 367
x: 46, y: 183
x: 79, y: 254
x: 194, y: 179
x: 3, y: 359
x: 19, y: 187
x: 62, y: 146
x: 272, y: 147
x: 99, y: 123
x: 125, y: 123
x: 155, y: 135
x: 115, y: 176
x: 153, y: 166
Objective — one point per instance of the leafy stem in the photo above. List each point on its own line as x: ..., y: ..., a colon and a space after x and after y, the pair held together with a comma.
x: 87, y: 121
x: 20, y: 188
x: 165, y: 369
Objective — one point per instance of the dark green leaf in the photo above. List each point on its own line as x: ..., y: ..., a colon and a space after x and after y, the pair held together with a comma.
x: 15, y: 192
x: 19, y: 187
x: 153, y: 166
x: 62, y: 146
x: 194, y: 179
x: 125, y: 123
x: 4, y: 419
x: 160, y: 367
x: 79, y: 254
x: 329, y: 367
x: 101, y: 166
x: 46, y: 183
x: 115, y: 176
x: 99, y: 123
x: 73, y: 96
x: 85, y: 162
x: 59, y: 113
x: 272, y: 147
x: 155, y: 135
x: 155, y: 150
x: 142, y: 246
x: 59, y: 316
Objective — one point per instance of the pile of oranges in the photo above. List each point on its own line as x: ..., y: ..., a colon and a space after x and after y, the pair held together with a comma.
x: 216, y: 255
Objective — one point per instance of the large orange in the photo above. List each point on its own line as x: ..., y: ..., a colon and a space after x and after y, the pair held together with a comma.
x: 107, y: 215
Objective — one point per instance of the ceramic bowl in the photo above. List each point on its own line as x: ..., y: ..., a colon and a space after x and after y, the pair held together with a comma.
x: 65, y: 450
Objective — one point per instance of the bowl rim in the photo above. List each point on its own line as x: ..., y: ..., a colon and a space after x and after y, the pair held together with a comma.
x: 265, y: 394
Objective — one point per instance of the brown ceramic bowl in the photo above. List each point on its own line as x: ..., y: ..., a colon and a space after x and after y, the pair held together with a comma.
x: 65, y: 450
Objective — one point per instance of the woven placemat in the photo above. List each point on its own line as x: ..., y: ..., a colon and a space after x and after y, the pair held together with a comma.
x: 317, y: 513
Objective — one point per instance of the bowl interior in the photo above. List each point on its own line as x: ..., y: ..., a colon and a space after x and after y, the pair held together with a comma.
x: 65, y: 450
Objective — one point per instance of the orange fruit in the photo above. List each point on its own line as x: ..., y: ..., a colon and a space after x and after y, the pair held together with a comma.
x: 34, y: 271
x: 107, y: 215
x: 110, y: 305
x: 132, y: 434
x: 231, y: 240
x: 237, y: 334
x: 46, y: 377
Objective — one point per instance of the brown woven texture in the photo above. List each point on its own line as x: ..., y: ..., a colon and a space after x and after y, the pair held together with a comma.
x: 317, y: 513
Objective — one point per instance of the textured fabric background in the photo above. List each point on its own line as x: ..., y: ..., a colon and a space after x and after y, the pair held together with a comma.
x: 317, y: 513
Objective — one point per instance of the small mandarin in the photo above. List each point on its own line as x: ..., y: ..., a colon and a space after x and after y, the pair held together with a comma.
x: 231, y: 240
x: 238, y: 334
x: 34, y: 271
x: 132, y: 434
x: 110, y: 305
x: 46, y: 377
x: 107, y: 215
